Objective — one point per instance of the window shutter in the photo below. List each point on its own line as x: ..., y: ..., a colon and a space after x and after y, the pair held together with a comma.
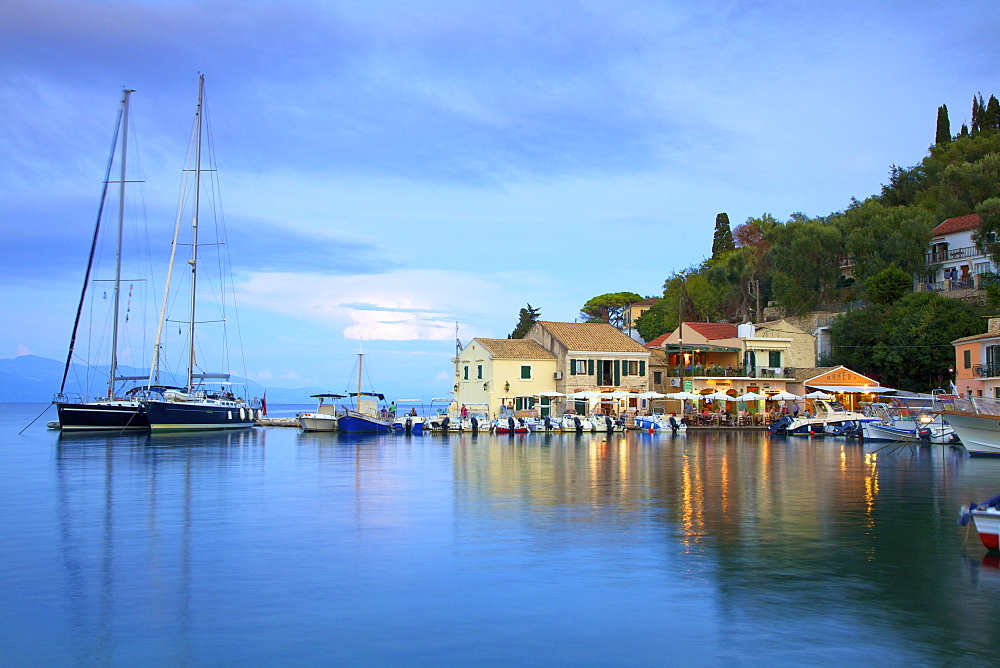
x: 590, y: 367
x: 624, y: 367
x: 618, y: 378
x: 572, y: 367
x: 642, y: 367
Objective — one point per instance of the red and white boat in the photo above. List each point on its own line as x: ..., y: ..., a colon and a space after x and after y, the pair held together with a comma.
x: 986, y: 517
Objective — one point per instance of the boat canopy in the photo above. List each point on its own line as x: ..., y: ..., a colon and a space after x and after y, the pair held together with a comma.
x: 381, y: 397
x: 854, y: 389
x: 327, y: 395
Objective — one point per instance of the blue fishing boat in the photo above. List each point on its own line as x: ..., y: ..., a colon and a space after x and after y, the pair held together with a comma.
x: 365, y: 417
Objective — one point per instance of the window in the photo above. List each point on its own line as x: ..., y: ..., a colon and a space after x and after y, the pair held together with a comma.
x: 657, y: 377
x: 630, y: 368
x: 526, y: 372
x: 967, y: 358
x: 981, y: 268
x: 466, y: 375
x: 479, y: 371
x: 579, y: 367
x: 774, y: 358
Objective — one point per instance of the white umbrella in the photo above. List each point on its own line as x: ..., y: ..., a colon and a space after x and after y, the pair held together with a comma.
x: 585, y: 394
x: 818, y: 395
x: 550, y: 393
x: 656, y: 395
x: 720, y: 396
x: 617, y: 394
x: 784, y: 395
x: 689, y: 396
x: 750, y: 396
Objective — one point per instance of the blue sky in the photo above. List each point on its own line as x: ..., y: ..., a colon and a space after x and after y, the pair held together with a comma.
x: 391, y: 168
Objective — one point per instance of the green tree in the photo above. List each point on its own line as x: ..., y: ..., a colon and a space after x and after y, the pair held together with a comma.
x: 888, y: 285
x: 876, y: 236
x: 943, y: 134
x: 525, y: 321
x: 987, y: 236
x: 906, y: 345
x: 802, y: 255
x: 609, y: 308
x: 991, y: 117
x: 722, y: 240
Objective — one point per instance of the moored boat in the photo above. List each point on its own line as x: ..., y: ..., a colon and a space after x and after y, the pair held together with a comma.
x: 118, y: 411
x: 365, y: 417
x: 324, y: 418
x: 827, y: 417
x: 205, y: 403
x: 986, y: 517
x: 976, y: 420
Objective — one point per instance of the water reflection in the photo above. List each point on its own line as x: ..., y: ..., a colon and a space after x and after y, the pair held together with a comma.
x: 131, y: 501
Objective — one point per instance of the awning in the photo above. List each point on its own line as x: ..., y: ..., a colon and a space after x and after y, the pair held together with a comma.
x: 854, y: 389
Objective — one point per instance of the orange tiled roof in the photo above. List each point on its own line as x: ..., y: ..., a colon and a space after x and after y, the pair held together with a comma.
x: 714, y: 330
x: 593, y: 336
x: 658, y: 341
x: 524, y: 349
x: 957, y: 224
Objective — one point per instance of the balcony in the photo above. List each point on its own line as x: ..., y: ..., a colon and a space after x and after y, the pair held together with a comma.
x: 986, y: 370
x: 715, y: 371
x: 936, y: 256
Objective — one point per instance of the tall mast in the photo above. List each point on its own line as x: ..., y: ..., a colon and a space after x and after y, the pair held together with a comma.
x: 118, y: 248
x: 194, y: 235
x: 357, y: 400
x: 93, y: 249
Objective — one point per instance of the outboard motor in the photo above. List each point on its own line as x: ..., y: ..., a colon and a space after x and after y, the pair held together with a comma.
x: 608, y: 423
x: 578, y: 425
x: 444, y: 423
x: 781, y: 426
x: 548, y: 423
x: 924, y: 434
x: 510, y: 424
x: 475, y: 425
x: 408, y: 424
x: 673, y: 424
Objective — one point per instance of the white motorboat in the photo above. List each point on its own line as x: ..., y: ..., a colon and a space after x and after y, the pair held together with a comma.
x: 659, y: 422
x: 829, y: 418
x: 902, y: 422
x: 976, y: 420
x: 324, y: 418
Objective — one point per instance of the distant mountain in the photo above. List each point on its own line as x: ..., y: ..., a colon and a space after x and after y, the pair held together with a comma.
x: 34, y: 378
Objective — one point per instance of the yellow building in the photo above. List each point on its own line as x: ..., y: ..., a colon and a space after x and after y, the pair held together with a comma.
x: 500, y: 372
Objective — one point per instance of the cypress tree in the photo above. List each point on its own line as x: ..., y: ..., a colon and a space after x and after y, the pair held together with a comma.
x: 965, y: 131
x: 943, y: 134
x: 722, y: 240
x: 991, y: 117
x: 978, y: 110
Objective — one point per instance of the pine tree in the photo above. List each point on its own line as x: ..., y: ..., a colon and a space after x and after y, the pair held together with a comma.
x: 526, y: 320
x: 722, y: 240
x: 943, y: 135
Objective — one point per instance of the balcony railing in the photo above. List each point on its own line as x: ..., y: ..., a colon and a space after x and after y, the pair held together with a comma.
x: 986, y: 370
x: 732, y: 372
x: 934, y: 257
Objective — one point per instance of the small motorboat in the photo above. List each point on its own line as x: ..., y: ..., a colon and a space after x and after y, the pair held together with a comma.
x: 986, y: 517
x: 659, y: 422
x: 324, y: 418
x: 510, y: 425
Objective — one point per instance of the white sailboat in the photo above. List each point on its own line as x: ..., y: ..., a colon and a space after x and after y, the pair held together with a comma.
x: 205, y: 403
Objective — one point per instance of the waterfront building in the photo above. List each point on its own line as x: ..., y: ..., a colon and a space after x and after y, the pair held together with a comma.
x: 633, y: 312
x: 501, y: 372
x: 977, y: 363
x: 956, y: 266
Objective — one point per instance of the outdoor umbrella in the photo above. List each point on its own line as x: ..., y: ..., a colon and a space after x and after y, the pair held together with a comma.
x: 656, y: 395
x: 683, y: 396
x: 750, y: 396
x: 784, y: 395
x: 818, y: 395
x: 720, y: 396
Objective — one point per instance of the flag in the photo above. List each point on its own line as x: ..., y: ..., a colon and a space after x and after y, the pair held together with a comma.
x: 263, y: 403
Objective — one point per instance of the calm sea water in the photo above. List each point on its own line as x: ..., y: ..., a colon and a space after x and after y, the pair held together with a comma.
x: 273, y: 547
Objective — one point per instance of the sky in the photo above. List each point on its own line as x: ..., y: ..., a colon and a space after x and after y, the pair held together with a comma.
x: 391, y: 169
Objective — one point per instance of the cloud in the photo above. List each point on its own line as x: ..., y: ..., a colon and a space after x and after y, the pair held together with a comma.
x: 22, y: 350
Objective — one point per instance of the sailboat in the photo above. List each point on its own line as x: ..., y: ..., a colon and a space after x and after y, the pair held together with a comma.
x: 118, y: 411
x: 365, y: 417
x: 205, y: 402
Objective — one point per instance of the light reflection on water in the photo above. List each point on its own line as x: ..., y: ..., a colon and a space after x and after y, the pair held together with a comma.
x: 277, y: 546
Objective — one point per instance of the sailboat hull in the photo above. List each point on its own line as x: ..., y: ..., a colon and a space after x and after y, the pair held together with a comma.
x: 359, y: 423
x: 197, y: 416
x: 102, y: 416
